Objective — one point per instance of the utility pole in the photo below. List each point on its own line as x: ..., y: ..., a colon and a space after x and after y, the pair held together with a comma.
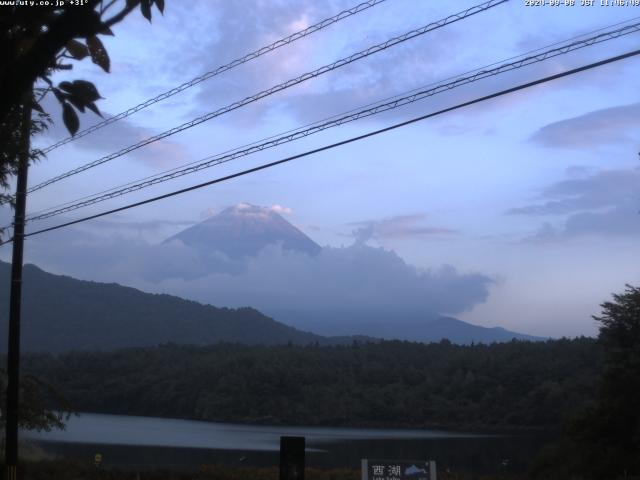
x: 13, y: 352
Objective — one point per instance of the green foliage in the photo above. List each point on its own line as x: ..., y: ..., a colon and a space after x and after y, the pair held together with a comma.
x: 36, y: 44
x: 603, y: 441
x: 11, y: 140
x: 42, y: 407
x: 70, y: 118
x: 98, y: 53
x: 620, y: 329
x: 77, y: 49
x: 501, y: 386
x: 611, y: 429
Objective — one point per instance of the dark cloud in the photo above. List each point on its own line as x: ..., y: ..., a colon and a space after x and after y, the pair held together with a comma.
x: 616, y: 221
x: 402, y: 226
x: 605, y: 203
x: 353, y: 278
x: 356, y: 278
x: 600, y: 127
x: 608, y: 188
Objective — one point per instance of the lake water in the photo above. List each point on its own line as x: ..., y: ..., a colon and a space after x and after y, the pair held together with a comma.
x: 146, y: 442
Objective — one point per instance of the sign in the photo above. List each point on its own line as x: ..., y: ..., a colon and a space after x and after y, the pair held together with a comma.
x: 97, y: 459
x: 398, y: 469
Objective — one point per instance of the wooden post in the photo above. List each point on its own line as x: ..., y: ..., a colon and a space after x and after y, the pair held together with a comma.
x: 13, y: 352
x: 292, y: 458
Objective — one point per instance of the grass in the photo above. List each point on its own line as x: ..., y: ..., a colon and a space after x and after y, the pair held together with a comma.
x: 75, y: 470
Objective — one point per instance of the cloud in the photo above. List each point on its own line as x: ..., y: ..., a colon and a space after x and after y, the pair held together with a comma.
x: 208, y: 213
x: 145, y: 229
x: 623, y: 220
x: 120, y: 134
x: 615, y: 221
x: 600, y: 127
x: 545, y: 233
x: 579, y: 171
x: 124, y: 254
x: 604, y: 203
x: 140, y: 225
x: 607, y: 188
x: 355, y: 278
x: 347, y: 279
x: 414, y: 63
x: 398, y: 227
x: 280, y: 209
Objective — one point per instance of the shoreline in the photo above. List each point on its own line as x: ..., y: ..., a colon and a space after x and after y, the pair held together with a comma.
x: 478, y: 430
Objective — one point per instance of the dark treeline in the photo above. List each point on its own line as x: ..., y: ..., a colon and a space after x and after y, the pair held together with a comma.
x: 500, y: 386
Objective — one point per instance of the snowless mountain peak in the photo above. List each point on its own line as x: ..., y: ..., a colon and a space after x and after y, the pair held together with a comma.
x: 244, y: 230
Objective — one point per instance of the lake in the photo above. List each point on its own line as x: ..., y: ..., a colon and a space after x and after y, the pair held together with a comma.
x: 147, y: 442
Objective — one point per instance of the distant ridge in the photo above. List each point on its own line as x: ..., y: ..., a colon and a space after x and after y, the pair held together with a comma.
x: 61, y: 313
x: 244, y: 230
x: 415, y: 327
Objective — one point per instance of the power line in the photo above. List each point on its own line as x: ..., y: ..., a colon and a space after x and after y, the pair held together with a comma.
x: 540, y: 49
x: 133, y: 182
x: 282, y: 86
x: 221, y: 69
x: 343, y: 142
x: 290, y: 136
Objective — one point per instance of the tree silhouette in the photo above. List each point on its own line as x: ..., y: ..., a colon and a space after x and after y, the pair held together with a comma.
x: 42, y: 406
x: 607, y: 435
x: 37, y: 41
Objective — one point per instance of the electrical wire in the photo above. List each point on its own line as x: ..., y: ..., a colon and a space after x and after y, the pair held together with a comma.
x: 397, y: 102
x: 282, y: 86
x: 221, y: 69
x: 343, y: 142
x: 157, y: 175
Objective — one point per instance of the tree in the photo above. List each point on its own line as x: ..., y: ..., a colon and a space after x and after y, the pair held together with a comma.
x: 603, y: 439
x: 618, y: 411
x: 10, y: 144
x: 42, y: 407
x: 37, y: 41
x: 607, y: 435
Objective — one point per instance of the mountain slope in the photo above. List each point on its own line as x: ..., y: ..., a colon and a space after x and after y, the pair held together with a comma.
x: 244, y: 230
x: 415, y: 327
x: 61, y: 313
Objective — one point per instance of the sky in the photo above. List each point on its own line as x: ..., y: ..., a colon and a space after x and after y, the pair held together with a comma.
x: 525, y: 208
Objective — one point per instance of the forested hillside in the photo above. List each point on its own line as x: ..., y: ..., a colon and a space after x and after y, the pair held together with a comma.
x: 499, y: 386
x: 62, y: 313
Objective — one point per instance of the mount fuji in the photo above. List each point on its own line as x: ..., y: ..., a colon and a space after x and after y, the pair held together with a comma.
x: 243, y: 231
